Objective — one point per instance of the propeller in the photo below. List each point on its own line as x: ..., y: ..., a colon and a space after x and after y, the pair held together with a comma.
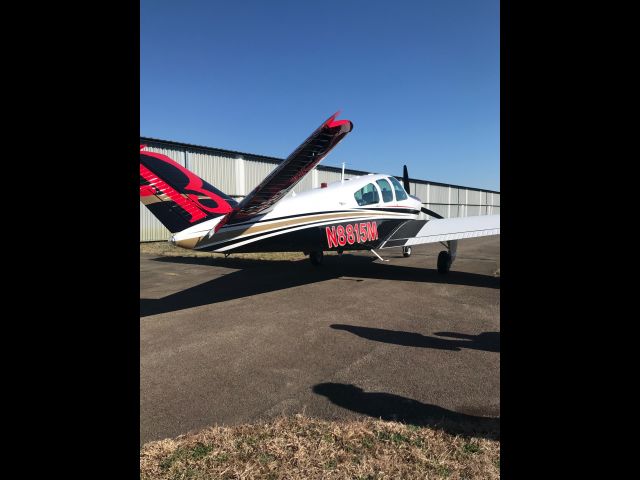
x: 407, y: 187
x: 405, y: 179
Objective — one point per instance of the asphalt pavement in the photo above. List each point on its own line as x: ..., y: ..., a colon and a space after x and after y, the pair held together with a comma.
x: 229, y: 341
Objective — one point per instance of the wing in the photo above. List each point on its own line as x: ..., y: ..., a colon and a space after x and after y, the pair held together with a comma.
x: 414, y: 232
x: 288, y: 173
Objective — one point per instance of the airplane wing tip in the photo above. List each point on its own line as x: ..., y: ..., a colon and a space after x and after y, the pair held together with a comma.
x: 332, y: 122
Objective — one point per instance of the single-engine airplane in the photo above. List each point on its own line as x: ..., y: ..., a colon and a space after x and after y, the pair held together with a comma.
x: 368, y: 212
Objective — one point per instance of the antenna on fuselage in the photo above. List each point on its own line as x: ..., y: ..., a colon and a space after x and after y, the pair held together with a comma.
x: 342, y: 177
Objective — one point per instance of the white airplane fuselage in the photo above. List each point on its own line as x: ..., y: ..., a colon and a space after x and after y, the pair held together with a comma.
x: 329, y: 218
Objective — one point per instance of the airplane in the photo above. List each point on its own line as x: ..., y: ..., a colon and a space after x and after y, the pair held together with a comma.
x: 368, y: 212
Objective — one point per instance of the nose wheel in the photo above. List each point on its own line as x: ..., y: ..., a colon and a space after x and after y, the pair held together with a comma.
x: 406, y: 251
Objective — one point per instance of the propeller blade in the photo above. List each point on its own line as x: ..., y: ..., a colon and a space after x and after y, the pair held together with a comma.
x: 431, y: 212
x: 405, y: 179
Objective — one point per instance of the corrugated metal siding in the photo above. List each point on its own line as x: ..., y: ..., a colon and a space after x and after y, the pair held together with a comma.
x: 440, y: 209
x: 473, y: 210
x: 438, y: 194
x: 150, y: 227
x: 496, y: 199
x: 454, y: 197
x: 175, y: 154
x: 420, y: 191
x: 474, y: 198
x: 254, y: 173
x: 305, y: 184
x: 219, y: 171
x: 328, y: 176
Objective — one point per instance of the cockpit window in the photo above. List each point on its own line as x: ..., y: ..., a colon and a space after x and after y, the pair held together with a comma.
x: 385, y: 188
x: 400, y: 193
x: 367, y: 195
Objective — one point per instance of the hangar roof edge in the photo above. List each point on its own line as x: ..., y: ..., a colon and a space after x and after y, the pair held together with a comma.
x: 278, y: 160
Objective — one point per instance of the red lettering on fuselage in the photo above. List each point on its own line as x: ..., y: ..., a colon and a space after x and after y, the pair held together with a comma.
x: 363, y: 233
x: 372, y: 231
x: 351, y: 238
x: 353, y: 233
x: 341, y: 238
x: 332, y: 239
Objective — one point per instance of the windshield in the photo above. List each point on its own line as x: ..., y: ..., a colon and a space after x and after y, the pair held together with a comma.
x: 385, y: 188
x: 400, y: 193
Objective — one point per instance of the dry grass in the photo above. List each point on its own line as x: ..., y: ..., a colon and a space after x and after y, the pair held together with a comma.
x: 168, y: 250
x: 300, y: 447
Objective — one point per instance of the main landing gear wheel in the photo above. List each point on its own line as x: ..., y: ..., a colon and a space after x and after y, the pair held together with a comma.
x: 316, y: 258
x: 406, y: 251
x: 444, y: 262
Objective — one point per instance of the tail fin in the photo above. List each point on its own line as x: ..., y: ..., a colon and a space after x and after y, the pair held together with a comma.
x: 177, y: 197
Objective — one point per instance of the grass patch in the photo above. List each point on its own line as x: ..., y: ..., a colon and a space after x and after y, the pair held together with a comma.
x: 444, y: 472
x: 331, y: 464
x: 471, y: 448
x: 301, y: 447
x: 193, y: 452
x: 165, y: 249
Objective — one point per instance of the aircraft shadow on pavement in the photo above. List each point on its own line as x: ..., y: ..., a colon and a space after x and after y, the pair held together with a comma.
x: 387, y: 406
x: 487, y: 341
x: 254, y: 277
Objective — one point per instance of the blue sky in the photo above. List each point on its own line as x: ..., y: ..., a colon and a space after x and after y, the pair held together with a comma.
x: 419, y: 80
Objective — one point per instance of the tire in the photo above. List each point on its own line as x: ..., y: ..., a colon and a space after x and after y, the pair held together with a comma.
x: 406, y: 251
x: 316, y: 258
x: 444, y: 262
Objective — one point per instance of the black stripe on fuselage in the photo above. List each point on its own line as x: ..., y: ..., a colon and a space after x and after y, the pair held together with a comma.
x: 310, y: 237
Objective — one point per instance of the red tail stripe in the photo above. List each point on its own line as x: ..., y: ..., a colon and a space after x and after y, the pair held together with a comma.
x: 195, y: 184
x: 166, y: 189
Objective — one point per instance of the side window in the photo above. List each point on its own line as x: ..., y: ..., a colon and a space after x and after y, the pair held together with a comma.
x: 400, y: 193
x: 367, y: 195
x: 385, y: 188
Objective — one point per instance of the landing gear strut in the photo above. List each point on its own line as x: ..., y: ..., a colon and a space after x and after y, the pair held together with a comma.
x: 316, y: 258
x: 446, y: 257
x: 406, y: 251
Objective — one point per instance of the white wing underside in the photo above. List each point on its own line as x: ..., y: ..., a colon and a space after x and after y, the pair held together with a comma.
x: 442, y: 230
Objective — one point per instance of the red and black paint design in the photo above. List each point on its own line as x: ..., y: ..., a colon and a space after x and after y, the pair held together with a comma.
x: 176, y: 196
